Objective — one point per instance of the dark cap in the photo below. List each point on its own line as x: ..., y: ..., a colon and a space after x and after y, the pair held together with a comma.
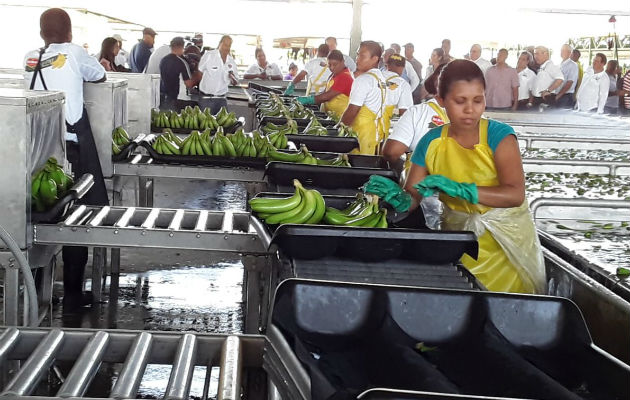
x: 177, y: 41
x: 149, y: 31
x: 409, y: 45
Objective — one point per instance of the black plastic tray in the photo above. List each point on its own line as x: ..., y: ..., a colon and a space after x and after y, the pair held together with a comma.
x: 127, y: 150
x: 493, y: 345
x: 185, y: 131
x: 300, y: 121
x: 249, y: 162
x: 311, y: 242
x: 331, y: 143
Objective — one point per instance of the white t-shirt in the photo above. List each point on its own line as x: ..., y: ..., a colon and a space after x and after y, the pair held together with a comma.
x: 153, y: 66
x: 313, y: 69
x: 271, y: 69
x: 414, y: 79
x: 570, y: 72
x: 526, y: 79
x: 398, y: 91
x: 121, y: 58
x: 414, y: 123
x: 65, y: 66
x: 547, y: 73
x: 216, y: 74
x: 368, y: 90
x: 593, y: 91
x: 349, y: 62
x: 483, y: 64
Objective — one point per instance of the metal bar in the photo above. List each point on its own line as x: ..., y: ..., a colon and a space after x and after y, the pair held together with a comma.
x: 71, y: 220
x: 573, y: 139
x: 149, y: 223
x: 183, y: 367
x: 612, y: 166
x: 202, y: 220
x: 231, y: 366
x: 11, y: 294
x: 37, y: 364
x: 8, y: 340
x: 99, y: 217
x: 123, y: 221
x: 144, y: 168
x: 142, y: 191
x: 176, y: 222
x: 99, y: 260
x: 131, y: 375
x: 86, y: 367
x: 590, y: 203
x: 227, y: 224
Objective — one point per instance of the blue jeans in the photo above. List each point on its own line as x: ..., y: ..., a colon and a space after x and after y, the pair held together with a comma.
x: 213, y: 103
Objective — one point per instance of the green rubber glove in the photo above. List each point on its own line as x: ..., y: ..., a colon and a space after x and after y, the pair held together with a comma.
x: 290, y: 89
x: 307, y: 99
x: 433, y: 183
x: 389, y: 191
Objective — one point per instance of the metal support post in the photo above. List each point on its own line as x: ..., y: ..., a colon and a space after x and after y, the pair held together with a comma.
x: 255, y: 292
x: 99, y: 260
x: 11, y: 293
x: 355, y: 32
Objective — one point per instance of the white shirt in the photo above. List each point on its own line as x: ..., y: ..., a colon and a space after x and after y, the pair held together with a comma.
x: 313, y: 69
x: 547, y: 74
x: 414, y: 123
x: 414, y: 79
x: 121, y: 58
x: 65, y: 66
x: 569, y: 70
x: 153, y: 66
x: 526, y: 79
x: 593, y: 91
x: 216, y: 74
x: 271, y: 69
x: 483, y: 64
x: 367, y: 90
x: 349, y: 62
x: 398, y: 91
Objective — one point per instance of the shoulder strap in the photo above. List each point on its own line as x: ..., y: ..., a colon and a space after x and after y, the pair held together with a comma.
x: 483, y: 131
x: 439, y: 111
x: 38, y: 70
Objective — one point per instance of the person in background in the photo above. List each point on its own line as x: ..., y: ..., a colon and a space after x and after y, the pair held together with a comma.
x: 347, y: 60
x: 64, y: 66
x: 153, y: 66
x: 337, y: 94
x: 548, y: 78
x: 416, y: 121
x: 174, y: 68
x: 614, y: 75
x: 218, y: 70
x: 397, y: 94
x: 594, y: 89
x: 570, y: 71
x: 502, y: 84
x: 293, y: 69
x: 396, y: 47
x: 526, y: 79
x: 475, y: 56
x: 575, y: 56
x: 435, y: 63
x: 317, y: 72
x: 141, y: 51
x: 625, y: 94
x: 367, y: 97
x: 417, y: 66
x: 123, y: 55
x: 263, y: 69
x: 409, y: 74
x: 109, y: 51
x: 475, y: 165
x: 446, y: 47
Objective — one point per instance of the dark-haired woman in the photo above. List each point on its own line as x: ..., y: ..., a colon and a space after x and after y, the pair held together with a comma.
x: 475, y: 166
x: 109, y: 50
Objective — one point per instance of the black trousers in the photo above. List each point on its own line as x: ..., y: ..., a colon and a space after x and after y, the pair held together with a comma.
x: 83, y: 158
x: 566, y: 101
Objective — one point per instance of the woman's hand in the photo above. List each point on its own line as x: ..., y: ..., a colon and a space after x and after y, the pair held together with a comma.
x: 432, y: 183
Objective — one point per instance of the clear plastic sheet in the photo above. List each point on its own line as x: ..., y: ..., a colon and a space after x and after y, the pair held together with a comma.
x: 47, y: 126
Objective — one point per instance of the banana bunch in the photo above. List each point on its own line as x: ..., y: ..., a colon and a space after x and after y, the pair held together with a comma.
x: 120, y: 137
x: 340, y: 161
x: 304, y: 207
x: 274, y: 107
x: 290, y: 128
x: 168, y: 133
x: 196, y: 144
x: 332, y: 115
x: 298, y: 110
x: 278, y: 140
x: 362, y: 212
x: 193, y: 118
x: 346, y: 131
x: 222, y: 146
x: 48, y: 185
x: 314, y: 127
x: 225, y: 119
x: 162, y: 145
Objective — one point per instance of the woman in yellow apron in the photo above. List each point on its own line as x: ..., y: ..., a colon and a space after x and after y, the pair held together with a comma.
x: 337, y: 94
x: 367, y: 97
x: 397, y: 96
x: 475, y: 165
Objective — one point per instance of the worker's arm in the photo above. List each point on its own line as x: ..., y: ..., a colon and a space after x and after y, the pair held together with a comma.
x: 564, y: 89
x: 556, y: 84
x: 393, y: 150
x: 326, y: 96
x: 416, y: 175
x: 350, y: 114
x: 194, y: 79
x: 511, y: 189
x: 262, y: 75
x: 299, y: 77
x: 401, y: 111
x: 103, y: 79
x: 514, y: 98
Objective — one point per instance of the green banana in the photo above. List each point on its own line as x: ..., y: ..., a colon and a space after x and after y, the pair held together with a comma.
x: 320, y: 208
x: 382, y: 222
x: 278, y: 205
x: 309, y: 205
x: 48, y: 191
x: 228, y: 146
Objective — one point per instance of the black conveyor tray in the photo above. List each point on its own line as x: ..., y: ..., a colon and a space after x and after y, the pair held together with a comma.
x: 186, y: 131
x: 332, y: 142
x: 249, y: 162
x: 300, y: 121
x: 348, y: 338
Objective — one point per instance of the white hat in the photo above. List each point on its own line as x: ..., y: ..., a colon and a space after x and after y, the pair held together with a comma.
x: 118, y: 37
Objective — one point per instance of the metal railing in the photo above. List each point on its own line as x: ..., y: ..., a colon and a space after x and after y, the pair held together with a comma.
x: 572, y: 202
x: 39, y: 349
x: 613, y: 143
x: 612, y: 168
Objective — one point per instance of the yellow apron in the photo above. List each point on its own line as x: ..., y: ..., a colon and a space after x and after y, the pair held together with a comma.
x: 316, y: 86
x: 337, y: 104
x: 492, y: 268
x: 439, y: 111
x: 388, y: 112
x: 365, y: 125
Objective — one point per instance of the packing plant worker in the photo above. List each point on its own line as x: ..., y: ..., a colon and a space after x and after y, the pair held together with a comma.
x: 317, y: 72
x: 337, y: 94
x: 475, y: 166
x: 367, y: 97
x: 397, y: 95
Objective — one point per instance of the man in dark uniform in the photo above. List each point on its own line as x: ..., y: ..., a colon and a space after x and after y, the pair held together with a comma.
x: 141, y: 51
x: 172, y: 67
x: 64, y: 66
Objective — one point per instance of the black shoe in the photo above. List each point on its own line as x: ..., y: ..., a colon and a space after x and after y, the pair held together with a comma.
x: 74, y: 301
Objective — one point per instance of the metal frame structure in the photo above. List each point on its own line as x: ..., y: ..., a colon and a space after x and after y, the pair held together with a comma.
x: 612, y: 168
x: 238, y: 357
x: 589, y: 203
x: 581, y: 142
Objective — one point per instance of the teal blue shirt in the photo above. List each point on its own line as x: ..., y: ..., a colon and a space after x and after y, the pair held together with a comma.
x: 497, y: 131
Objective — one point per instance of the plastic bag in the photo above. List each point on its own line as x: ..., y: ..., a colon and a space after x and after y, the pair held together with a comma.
x: 432, y: 210
x: 513, y: 228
